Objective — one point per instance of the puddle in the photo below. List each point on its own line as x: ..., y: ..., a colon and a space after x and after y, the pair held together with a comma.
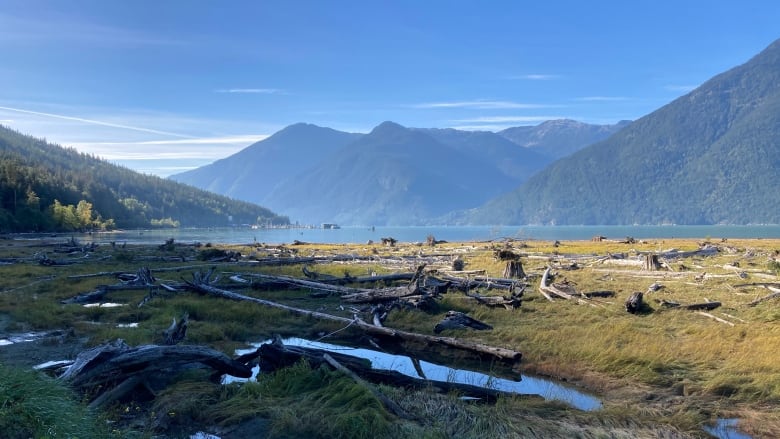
x: 726, y: 429
x: 546, y: 388
x: 103, y: 305
x: 127, y: 325
x: 28, y: 337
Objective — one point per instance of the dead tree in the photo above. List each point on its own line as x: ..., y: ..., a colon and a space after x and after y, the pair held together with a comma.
x: 459, y: 320
x: 514, y: 270
x: 634, y: 302
x: 651, y: 262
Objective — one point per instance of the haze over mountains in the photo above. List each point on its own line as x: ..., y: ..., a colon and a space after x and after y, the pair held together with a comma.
x: 393, y: 175
x: 709, y: 157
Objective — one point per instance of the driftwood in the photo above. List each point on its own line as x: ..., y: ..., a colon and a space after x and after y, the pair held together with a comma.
x: 459, y: 320
x: 467, y: 284
x: 327, y: 279
x: 634, y: 302
x: 274, y: 356
x: 550, y: 290
x: 117, y: 368
x: 690, y: 307
x: 200, y: 284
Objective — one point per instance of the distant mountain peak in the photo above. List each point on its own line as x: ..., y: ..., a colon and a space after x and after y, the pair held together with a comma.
x: 387, y: 127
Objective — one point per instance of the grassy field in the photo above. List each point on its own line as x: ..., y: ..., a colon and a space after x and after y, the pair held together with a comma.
x: 660, y: 373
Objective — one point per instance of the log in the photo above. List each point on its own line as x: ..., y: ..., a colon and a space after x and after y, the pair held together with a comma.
x: 634, y: 302
x: 549, y: 290
x: 274, y: 356
x: 690, y: 307
x: 116, y: 361
x: 508, y: 355
x: 459, y: 320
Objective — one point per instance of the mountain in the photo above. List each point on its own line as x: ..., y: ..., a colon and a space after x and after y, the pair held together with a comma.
x: 393, y: 175
x: 255, y: 172
x: 709, y: 157
x: 561, y: 137
x: 494, y: 150
x: 45, y: 187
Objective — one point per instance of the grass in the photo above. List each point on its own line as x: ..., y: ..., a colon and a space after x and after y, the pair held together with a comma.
x: 692, y: 366
x: 35, y: 406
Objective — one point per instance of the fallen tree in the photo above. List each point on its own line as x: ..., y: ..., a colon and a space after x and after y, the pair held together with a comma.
x: 115, y: 369
x: 200, y: 283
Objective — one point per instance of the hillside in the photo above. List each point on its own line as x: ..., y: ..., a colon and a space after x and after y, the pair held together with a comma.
x: 255, y: 172
x: 709, y: 157
x: 559, y: 138
x: 393, y: 175
x: 45, y: 187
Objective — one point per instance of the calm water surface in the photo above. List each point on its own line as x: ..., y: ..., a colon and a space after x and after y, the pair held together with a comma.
x: 419, y: 234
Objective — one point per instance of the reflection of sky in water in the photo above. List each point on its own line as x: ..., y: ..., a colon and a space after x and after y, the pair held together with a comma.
x: 548, y: 389
x: 726, y: 429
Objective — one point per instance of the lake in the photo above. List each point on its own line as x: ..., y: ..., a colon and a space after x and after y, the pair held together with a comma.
x: 361, y: 235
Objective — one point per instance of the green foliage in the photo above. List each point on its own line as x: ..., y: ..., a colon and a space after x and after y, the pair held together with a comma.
x: 709, y: 157
x: 45, y: 187
x: 35, y: 406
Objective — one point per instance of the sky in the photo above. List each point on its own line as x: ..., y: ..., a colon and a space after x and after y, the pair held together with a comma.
x: 162, y: 86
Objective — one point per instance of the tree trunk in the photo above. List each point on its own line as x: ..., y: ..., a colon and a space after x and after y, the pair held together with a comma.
x: 634, y: 302
x: 514, y: 270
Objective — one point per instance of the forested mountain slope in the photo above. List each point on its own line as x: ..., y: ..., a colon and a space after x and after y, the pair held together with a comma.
x: 47, y: 187
x: 709, y: 157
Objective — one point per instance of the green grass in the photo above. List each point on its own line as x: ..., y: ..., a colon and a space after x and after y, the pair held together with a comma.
x: 35, y: 406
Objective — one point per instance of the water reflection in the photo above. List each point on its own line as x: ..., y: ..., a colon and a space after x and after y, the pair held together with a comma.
x: 726, y: 429
x: 546, y: 388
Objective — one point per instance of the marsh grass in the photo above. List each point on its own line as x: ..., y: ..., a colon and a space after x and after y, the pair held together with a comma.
x: 33, y: 405
x: 675, y: 353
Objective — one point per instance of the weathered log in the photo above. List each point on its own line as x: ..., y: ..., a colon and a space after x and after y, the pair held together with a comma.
x: 274, y: 356
x: 774, y: 295
x: 690, y: 307
x: 467, y: 284
x: 548, y: 290
x: 634, y: 302
x: 116, y: 362
x: 503, y: 354
x: 459, y: 320
x: 717, y: 319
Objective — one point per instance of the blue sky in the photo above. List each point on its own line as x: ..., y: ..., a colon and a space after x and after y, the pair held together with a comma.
x: 163, y: 86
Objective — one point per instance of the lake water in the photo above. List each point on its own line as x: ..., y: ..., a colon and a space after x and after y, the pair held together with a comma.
x: 361, y: 235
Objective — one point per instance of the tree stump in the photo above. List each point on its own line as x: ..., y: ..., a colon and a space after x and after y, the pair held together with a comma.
x: 634, y: 302
x: 514, y: 270
x: 652, y: 263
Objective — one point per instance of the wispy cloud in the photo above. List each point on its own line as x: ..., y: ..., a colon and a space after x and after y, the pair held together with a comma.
x: 268, y: 91
x: 602, y: 98
x: 506, y: 119
x: 94, y: 122
x: 682, y: 88
x: 535, y: 77
x: 482, y: 105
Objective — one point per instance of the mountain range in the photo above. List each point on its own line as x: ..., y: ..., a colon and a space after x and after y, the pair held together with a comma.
x: 711, y: 156
x: 391, y: 176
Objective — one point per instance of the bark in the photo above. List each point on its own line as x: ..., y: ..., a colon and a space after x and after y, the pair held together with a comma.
x: 177, y: 331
